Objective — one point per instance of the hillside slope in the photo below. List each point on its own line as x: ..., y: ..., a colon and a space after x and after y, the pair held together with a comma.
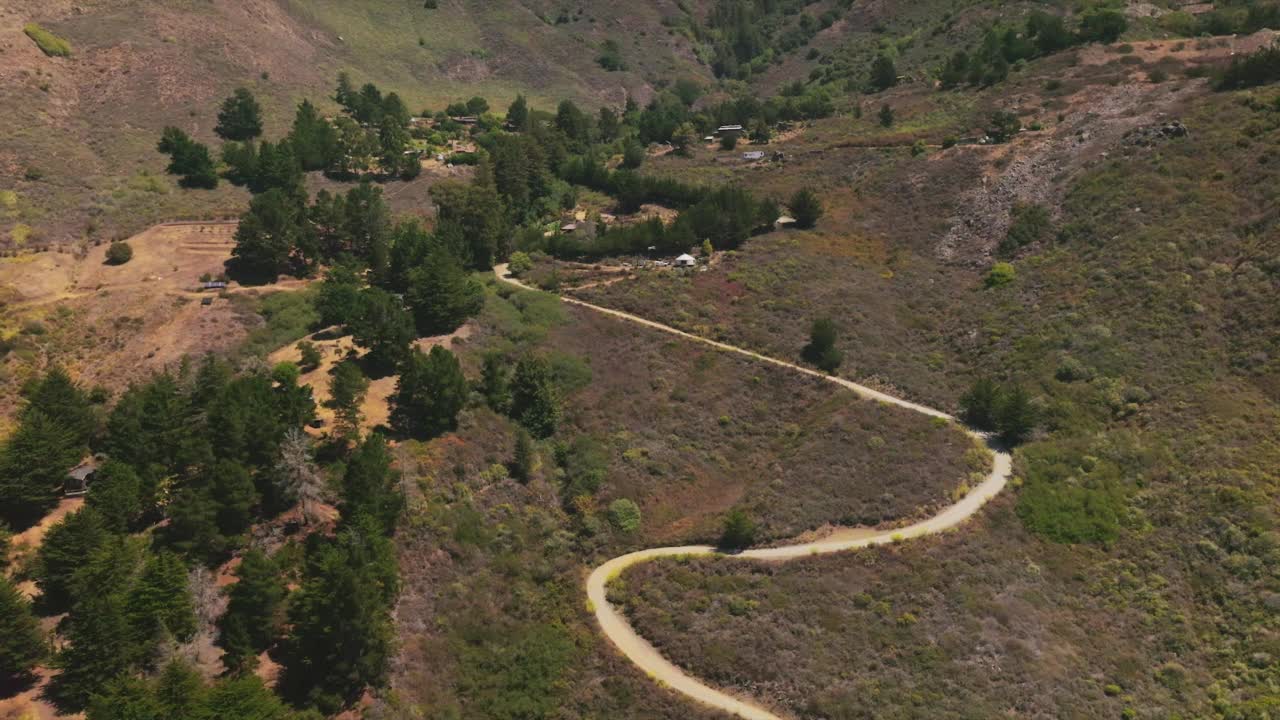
x: 77, y: 156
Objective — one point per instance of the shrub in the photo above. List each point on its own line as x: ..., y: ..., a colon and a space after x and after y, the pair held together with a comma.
x: 311, y: 357
x: 1001, y: 274
x: 520, y: 263
x: 918, y: 148
x: 624, y: 515
x: 1030, y: 223
x: 49, y: 44
x: 728, y: 141
x: 119, y: 253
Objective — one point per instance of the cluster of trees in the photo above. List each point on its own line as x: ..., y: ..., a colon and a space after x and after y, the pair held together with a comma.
x: 1043, y: 34
x: 1006, y: 411
x: 196, y: 458
x: 529, y: 395
x: 1257, y: 68
x: 726, y: 217
x: 1243, y: 19
x: 748, y: 36
x: 188, y: 159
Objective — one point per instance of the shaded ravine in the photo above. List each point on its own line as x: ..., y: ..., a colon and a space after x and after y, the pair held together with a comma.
x: 640, y: 652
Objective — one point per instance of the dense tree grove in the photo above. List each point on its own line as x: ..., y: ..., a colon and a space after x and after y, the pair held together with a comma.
x: 1042, y: 34
x: 199, y: 455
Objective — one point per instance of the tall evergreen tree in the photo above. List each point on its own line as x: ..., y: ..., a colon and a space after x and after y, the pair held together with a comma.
x: 21, y: 642
x: 884, y: 74
x: 805, y: 207
x: 346, y: 394
x: 100, y: 642
x: 252, y: 619
x: 269, y: 234
x: 978, y: 406
x: 1016, y: 416
x: 240, y: 117
x: 534, y: 400
x: 62, y: 401
x: 384, y: 327
x: 66, y: 548
x: 430, y: 393
x: 33, y: 465
x: 341, y: 634
x: 159, y: 604
x: 441, y: 294
x: 117, y: 496
x: 313, y: 138
x: 369, y: 486
x: 189, y: 159
x: 518, y: 114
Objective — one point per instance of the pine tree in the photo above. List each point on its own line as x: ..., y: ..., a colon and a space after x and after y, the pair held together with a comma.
x: 821, y: 350
x: 270, y: 231
x: 66, y: 548
x: 369, y: 486
x: 346, y: 393
x: 739, y: 530
x: 534, y: 402
x: 126, y: 698
x: 245, y: 698
x: 33, y: 466
x: 441, y: 294
x: 240, y: 117
x: 522, y: 465
x: 1016, y: 416
x: 117, y: 496
x: 179, y: 690
x: 518, y: 114
x: 384, y: 327
x: 806, y: 208
x: 252, y: 618
x: 100, y: 642
x: 313, y: 139
x: 884, y: 74
x: 62, y: 401
x: 21, y: 642
x: 429, y: 395
x: 495, y: 382
x: 298, y: 477
x: 978, y: 406
x: 235, y: 494
x: 160, y: 604
x: 340, y: 637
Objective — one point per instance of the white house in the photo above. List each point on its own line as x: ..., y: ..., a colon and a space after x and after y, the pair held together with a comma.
x: 686, y: 260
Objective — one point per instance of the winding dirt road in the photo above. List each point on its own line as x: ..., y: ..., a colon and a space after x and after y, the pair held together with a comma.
x: 642, y: 653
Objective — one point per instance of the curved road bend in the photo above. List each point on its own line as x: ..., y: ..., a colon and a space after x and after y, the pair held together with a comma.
x: 642, y: 653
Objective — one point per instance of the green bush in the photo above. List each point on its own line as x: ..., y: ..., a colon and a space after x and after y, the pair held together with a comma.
x: 119, y: 253
x: 624, y: 515
x: 50, y: 44
x: 1030, y: 223
x: 520, y: 263
x: 1001, y: 274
